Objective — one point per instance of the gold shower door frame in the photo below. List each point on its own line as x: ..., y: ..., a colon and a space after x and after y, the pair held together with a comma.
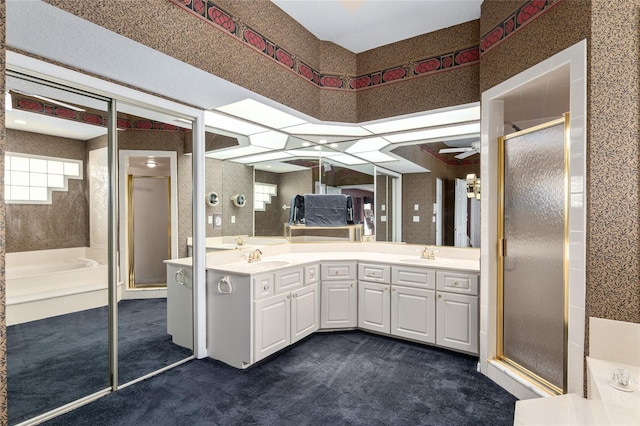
x: 131, y: 283
x: 502, y: 249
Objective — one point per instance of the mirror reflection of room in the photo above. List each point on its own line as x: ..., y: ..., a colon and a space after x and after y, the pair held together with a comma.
x: 56, y: 188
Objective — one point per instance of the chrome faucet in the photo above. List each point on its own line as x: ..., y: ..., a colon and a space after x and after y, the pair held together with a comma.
x: 255, y: 256
x: 428, y: 253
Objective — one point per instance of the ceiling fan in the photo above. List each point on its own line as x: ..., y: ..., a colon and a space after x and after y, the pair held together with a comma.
x: 465, y: 151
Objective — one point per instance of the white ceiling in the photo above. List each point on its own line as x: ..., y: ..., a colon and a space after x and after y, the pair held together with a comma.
x: 361, y: 25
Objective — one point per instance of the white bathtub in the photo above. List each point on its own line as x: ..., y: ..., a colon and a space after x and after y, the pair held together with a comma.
x: 46, y: 283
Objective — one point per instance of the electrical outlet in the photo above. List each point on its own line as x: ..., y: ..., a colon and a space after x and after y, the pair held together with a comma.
x: 210, y: 220
x: 416, y: 218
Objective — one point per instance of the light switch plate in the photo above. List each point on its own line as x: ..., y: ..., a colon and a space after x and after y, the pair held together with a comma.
x: 383, y: 218
x: 210, y: 220
x: 416, y: 207
x: 233, y: 219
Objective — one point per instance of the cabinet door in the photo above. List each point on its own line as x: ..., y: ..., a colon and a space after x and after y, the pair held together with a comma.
x: 271, y: 325
x: 457, y: 322
x: 373, y: 307
x: 305, y: 312
x: 339, y: 305
x: 180, y: 305
x: 413, y: 313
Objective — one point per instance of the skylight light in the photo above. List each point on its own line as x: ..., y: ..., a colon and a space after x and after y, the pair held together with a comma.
x: 261, y: 114
x: 427, y: 120
x: 229, y: 124
x: 442, y: 132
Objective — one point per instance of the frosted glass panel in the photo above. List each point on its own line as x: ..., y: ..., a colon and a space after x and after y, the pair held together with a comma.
x: 533, y: 327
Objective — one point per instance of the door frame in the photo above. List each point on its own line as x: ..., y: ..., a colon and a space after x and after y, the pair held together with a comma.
x: 528, y: 374
x: 123, y: 156
x: 492, y: 126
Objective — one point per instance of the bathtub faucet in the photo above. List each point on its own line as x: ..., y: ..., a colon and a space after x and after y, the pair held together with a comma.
x: 255, y: 256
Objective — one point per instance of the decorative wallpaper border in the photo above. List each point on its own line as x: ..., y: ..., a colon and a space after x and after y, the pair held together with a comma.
x: 25, y: 104
x: 225, y: 22
x: 523, y: 15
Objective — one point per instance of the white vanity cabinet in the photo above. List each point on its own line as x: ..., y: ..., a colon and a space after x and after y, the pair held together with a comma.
x: 374, y: 297
x: 339, y: 298
x: 180, y: 304
x: 457, y: 311
x: 290, y: 315
x: 413, y: 303
x: 271, y: 325
x: 258, y: 315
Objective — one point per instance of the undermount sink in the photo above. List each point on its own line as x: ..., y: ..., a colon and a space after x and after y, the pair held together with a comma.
x: 416, y: 260
x: 269, y: 264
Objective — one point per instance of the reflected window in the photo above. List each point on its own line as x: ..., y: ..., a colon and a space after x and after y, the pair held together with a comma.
x: 263, y: 192
x: 30, y: 179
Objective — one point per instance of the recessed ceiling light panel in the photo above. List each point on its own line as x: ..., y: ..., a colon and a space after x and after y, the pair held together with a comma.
x: 229, y: 124
x: 441, y: 132
x: 262, y: 114
x: 427, y: 120
x: 370, y: 144
x: 271, y: 139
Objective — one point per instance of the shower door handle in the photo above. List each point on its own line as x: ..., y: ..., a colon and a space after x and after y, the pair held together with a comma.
x: 502, y: 247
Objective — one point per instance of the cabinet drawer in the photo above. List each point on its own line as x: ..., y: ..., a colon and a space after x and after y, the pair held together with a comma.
x: 311, y: 274
x: 374, y: 273
x: 338, y: 271
x: 458, y: 282
x: 288, y: 280
x: 262, y: 286
x: 414, y: 277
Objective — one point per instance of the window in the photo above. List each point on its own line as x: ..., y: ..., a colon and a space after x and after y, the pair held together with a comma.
x: 30, y: 179
x: 262, y: 193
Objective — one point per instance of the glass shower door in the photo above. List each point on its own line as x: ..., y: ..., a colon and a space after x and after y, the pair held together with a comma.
x: 532, y: 249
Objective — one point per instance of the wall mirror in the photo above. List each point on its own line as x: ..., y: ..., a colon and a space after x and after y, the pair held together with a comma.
x: 407, y: 174
x: 57, y: 184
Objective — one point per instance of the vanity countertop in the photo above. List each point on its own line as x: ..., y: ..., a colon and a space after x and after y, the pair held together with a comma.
x: 283, y: 261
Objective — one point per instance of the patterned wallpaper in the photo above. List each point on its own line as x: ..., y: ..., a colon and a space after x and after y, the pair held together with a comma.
x: 613, y: 162
x: 269, y: 222
x: 547, y: 27
x: 65, y: 222
x: 4, y: 419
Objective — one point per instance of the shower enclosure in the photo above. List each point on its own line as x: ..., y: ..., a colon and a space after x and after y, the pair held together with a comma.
x: 533, y: 239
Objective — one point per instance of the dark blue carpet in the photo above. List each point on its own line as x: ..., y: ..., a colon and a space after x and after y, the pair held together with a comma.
x: 57, y: 360
x: 349, y: 378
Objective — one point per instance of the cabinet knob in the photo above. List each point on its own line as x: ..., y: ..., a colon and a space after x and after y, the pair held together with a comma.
x: 455, y: 283
x: 288, y: 296
x: 352, y: 285
x: 439, y: 296
x: 294, y: 295
x: 265, y: 287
